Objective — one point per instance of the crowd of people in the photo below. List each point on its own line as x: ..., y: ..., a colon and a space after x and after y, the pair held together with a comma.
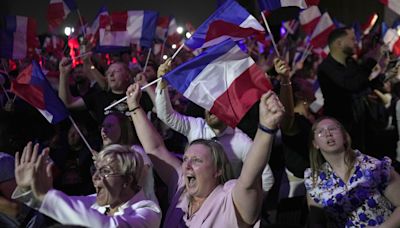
x: 156, y: 159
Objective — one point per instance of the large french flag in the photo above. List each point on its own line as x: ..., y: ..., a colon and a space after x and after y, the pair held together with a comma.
x: 229, y: 21
x: 120, y: 29
x: 309, y: 19
x: 271, y: 5
x: 392, y: 40
x: 223, y: 79
x: 58, y: 10
x: 319, y: 37
x: 18, y: 39
x: 32, y: 86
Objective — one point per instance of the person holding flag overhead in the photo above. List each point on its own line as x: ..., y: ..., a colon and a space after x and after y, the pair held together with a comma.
x: 235, y: 142
x: 204, y: 195
x: 118, y: 79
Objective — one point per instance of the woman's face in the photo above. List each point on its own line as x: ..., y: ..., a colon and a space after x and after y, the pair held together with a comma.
x: 110, y: 130
x: 201, y: 176
x: 109, y: 182
x: 328, y: 136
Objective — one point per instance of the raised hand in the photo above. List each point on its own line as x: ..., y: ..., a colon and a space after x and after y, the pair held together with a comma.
x: 65, y: 66
x: 42, y: 180
x: 134, y: 93
x: 24, y: 165
x: 271, y: 110
x: 141, y: 79
x: 162, y: 70
x: 281, y: 67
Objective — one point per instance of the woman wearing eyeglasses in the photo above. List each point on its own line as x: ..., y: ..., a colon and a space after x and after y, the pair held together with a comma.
x: 119, y: 200
x: 350, y: 188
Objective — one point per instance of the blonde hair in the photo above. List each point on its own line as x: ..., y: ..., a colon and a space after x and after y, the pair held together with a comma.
x: 220, y: 160
x: 317, y: 159
x: 130, y: 162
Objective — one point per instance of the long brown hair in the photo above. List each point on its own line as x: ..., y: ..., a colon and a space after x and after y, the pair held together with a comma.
x: 317, y: 159
x: 128, y: 133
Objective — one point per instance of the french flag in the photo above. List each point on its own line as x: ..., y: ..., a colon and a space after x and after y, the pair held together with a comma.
x: 319, y: 38
x: 57, y: 11
x: 18, y: 39
x: 32, y: 86
x: 392, y: 40
x: 222, y: 79
x: 120, y: 29
x: 394, y: 5
x: 93, y: 31
x: 309, y: 19
x: 166, y: 29
x: 229, y: 21
x: 271, y: 5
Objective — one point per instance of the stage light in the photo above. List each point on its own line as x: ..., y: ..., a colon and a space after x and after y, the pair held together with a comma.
x: 179, y: 30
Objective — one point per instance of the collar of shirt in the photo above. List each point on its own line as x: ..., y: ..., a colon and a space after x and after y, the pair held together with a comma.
x: 228, y: 131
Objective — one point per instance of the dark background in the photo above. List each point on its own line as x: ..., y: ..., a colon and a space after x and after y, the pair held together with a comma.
x: 195, y: 11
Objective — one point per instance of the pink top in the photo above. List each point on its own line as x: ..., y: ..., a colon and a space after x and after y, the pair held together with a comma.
x: 218, y: 210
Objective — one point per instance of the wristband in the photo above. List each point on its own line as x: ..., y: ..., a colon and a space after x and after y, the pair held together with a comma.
x: 286, y: 84
x: 267, y: 130
x: 134, y: 109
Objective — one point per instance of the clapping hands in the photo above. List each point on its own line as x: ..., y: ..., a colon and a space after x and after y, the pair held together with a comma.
x: 33, y: 171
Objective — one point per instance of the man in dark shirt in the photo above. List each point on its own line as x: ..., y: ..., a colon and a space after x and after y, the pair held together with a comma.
x: 344, y: 82
x: 118, y: 79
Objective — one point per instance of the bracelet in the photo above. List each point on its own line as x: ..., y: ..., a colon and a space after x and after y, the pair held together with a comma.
x: 286, y: 84
x: 267, y: 130
x: 134, y: 109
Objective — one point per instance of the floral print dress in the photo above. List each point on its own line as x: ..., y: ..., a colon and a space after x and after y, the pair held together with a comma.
x: 358, y: 203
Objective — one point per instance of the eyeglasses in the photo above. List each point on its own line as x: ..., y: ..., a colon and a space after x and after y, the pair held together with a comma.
x: 323, y: 132
x: 104, y: 172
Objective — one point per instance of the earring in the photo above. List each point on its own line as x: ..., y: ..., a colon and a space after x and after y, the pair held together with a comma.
x: 125, y: 185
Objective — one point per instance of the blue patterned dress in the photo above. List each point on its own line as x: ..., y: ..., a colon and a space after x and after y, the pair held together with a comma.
x: 358, y: 203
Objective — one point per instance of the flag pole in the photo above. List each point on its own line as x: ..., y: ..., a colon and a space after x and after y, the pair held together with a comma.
x: 270, y: 33
x: 2, y: 86
x: 81, y: 20
x: 162, y: 49
x: 126, y: 97
x: 80, y: 133
x: 83, y: 54
x: 147, y: 60
x: 177, y: 51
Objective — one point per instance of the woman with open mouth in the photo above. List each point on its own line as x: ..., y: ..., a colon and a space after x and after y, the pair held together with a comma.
x: 199, y: 186
x: 346, y: 187
x: 119, y: 200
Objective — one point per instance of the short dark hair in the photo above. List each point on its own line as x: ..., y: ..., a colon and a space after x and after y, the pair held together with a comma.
x: 337, y: 33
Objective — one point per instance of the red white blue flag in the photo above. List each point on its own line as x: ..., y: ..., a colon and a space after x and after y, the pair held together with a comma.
x: 223, y: 79
x: 58, y: 11
x: 309, y: 19
x: 92, y: 33
x: 32, y: 86
x: 18, y: 39
x: 229, y: 21
x: 319, y: 37
x: 120, y: 29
